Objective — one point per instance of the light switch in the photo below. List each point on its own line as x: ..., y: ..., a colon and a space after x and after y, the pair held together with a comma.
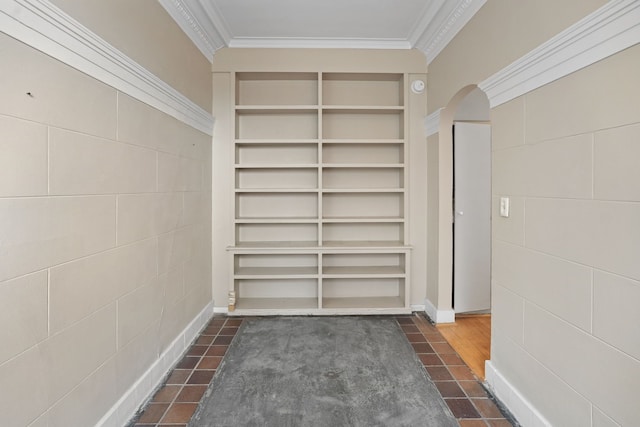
x: 504, y: 207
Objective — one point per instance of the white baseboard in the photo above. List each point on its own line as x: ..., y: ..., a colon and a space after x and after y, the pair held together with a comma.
x: 417, y: 308
x: 221, y: 310
x: 523, y: 411
x: 439, y: 316
x: 125, y: 408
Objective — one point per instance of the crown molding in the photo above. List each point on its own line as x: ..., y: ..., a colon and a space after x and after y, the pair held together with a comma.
x: 440, y: 23
x: 202, y: 33
x: 45, y: 27
x: 605, y: 32
x: 201, y: 22
x: 322, y: 43
x: 220, y: 29
x: 608, y: 30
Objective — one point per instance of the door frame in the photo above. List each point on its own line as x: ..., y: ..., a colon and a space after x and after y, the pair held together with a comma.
x: 442, y: 298
x: 485, y: 174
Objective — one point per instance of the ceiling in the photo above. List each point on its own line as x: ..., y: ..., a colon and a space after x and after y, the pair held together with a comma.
x: 427, y: 25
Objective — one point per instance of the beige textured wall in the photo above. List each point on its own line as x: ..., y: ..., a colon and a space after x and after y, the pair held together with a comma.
x: 145, y: 32
x: 105, y: 207
x: 565, y: 269
x: 500, y: 32
x: 566, y: 277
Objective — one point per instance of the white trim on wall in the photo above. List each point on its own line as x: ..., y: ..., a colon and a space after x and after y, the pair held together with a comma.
x: 521, y: 408
x: 45, y: 27
x: 142, y: 390
x: 203, y: 33
x: 418, y: 308
x: 608, y: 30
x: 439, y: 316
x: 605, y: 32
x: 221, y: 310
x: 440, y: 24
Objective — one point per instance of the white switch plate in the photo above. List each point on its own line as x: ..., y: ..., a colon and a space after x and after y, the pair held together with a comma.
x: 504, y: 207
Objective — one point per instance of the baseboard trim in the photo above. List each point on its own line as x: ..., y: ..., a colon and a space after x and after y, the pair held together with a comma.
x: 439, y: 316
x: 125, y: 408
x: 221, y: 310
x: 523, y: 411
x: 418, y: 308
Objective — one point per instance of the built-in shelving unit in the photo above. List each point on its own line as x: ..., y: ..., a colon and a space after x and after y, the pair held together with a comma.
x: 320, y: 193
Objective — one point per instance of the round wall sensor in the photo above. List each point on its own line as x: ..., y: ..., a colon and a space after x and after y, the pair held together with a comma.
x: 417, y: 86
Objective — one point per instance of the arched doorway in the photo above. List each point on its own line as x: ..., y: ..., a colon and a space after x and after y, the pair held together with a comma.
x: 464, y: 144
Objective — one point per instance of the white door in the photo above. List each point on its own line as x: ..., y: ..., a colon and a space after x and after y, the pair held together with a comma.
x: 472, y: 217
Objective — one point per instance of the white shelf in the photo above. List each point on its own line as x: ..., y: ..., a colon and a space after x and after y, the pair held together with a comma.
x: 368, y: 271
x: 275, y: 166
x: 363, y: 108
x: 359, y: 219
x: 276, y: 304
x: 276, y: 245
x: 363, y: 165
x: 365, y: 302
x: 257, y: 109
x: 363, y: 244
x: 269, y: 141
x: 276, y: 272
x: 276, y: 190
x: 299, y: 220
x: 361, y: 141
x: 320, y: 155
x: 363, y: 190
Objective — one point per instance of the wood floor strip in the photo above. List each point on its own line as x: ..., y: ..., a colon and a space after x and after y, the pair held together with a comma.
x: 470, y: 336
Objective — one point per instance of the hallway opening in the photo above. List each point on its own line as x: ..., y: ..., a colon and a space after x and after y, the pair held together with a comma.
x: 470, y: 337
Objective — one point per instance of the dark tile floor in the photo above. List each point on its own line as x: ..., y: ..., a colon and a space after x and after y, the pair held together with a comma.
x: 176, y: 401
x: 460, y: 388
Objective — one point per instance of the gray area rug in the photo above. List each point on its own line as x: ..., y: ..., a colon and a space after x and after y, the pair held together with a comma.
x: 321, y: 371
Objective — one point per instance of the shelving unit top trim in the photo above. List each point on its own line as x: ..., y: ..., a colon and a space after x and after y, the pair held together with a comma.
x: 319, y: 60
x: 363, y: 76
x: 276, y: 75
